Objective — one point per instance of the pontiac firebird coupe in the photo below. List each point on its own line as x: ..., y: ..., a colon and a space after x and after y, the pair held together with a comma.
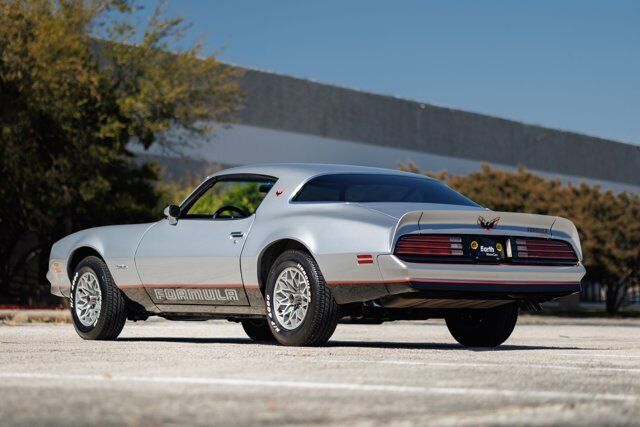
x: 290, y: 250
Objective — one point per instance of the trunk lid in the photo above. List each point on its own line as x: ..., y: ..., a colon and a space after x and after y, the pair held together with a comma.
x: 485, y: 222
x: 451, y: 219
x: 477, y: 222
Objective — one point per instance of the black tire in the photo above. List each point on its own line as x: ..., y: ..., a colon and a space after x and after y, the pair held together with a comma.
x: 258, y: 329
x: 483, y: 328
x: 113, y: 307
x: 321, y: 318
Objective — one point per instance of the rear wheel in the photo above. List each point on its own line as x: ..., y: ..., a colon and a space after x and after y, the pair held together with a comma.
x: 98, y: 308
x: 300, y: 309
x: 483, y: 328
x: 258, y: 329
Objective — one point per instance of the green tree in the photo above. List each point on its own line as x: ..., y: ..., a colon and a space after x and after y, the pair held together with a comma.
x: 609, y: 226
x: 244, y: 195
x: 70, y: 105
x: 608, y: 223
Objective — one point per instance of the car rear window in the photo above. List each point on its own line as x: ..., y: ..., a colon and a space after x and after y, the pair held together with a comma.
x: 375, y: 188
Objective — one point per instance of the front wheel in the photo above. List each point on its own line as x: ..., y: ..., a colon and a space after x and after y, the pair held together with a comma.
x: 483, y: 328
x: 300, y: 309
x: 98, y: 308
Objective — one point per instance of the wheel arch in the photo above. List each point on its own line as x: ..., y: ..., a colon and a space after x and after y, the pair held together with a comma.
x: 78, y: 255
x: 270, y: 253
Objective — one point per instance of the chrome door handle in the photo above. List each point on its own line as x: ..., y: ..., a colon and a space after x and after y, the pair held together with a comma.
x: 236, y: 234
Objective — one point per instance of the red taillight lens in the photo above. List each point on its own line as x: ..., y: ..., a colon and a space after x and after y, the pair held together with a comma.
x: 412, y: 245
x: 544, y: 249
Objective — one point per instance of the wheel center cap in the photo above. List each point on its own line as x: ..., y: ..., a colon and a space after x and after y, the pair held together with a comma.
x: 295, y: 299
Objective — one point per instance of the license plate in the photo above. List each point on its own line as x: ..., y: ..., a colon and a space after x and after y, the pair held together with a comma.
x: 485, y: 249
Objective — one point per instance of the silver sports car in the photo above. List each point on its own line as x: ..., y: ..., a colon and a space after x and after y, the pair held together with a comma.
x: 290, y: 250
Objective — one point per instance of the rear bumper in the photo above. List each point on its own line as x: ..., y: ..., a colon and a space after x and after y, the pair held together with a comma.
x: 480, y: 281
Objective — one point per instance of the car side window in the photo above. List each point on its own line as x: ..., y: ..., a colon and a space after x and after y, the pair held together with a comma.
x: 229, y: 198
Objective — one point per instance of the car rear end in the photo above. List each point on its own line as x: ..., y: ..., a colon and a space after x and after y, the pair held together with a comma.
x: 480, y: 255
x: 433, y: 253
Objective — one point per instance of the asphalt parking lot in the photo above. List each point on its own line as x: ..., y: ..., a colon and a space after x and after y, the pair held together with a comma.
x: 551, y: 371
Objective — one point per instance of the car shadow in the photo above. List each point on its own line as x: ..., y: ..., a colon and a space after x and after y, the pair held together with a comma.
x: 439, y: 346
x: 351, y: 344
x: 186, y: 340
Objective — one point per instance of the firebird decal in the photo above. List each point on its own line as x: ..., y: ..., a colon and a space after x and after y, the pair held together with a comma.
x: 488, y: 225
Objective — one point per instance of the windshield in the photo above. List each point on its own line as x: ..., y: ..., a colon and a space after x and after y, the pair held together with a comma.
x: 376, y: 188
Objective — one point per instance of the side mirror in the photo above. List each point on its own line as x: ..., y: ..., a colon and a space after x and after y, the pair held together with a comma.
x: 172, y: 212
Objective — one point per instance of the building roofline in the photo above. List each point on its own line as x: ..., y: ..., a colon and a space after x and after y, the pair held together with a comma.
x: 430, y: 104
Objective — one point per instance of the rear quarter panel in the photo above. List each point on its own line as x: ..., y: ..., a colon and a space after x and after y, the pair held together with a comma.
x: 334, y: 233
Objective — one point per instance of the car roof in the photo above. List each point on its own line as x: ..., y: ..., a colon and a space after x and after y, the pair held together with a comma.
x: 303, y: 171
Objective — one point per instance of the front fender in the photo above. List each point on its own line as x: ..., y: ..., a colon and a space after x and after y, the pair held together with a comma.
x: 115, y: 244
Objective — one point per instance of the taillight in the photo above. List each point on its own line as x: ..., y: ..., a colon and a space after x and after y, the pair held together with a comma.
x: 421, y: 245
x: 542, y: 250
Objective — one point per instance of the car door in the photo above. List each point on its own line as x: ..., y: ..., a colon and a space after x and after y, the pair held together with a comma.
x: 195, y: 258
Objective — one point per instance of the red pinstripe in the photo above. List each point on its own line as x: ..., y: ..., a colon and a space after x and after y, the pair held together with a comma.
x: 184, y: 285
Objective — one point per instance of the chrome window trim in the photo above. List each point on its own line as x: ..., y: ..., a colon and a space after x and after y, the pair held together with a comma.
x: 210, y: 182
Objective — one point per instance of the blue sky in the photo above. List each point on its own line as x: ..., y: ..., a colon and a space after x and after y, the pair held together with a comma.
x: 573, y: 65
